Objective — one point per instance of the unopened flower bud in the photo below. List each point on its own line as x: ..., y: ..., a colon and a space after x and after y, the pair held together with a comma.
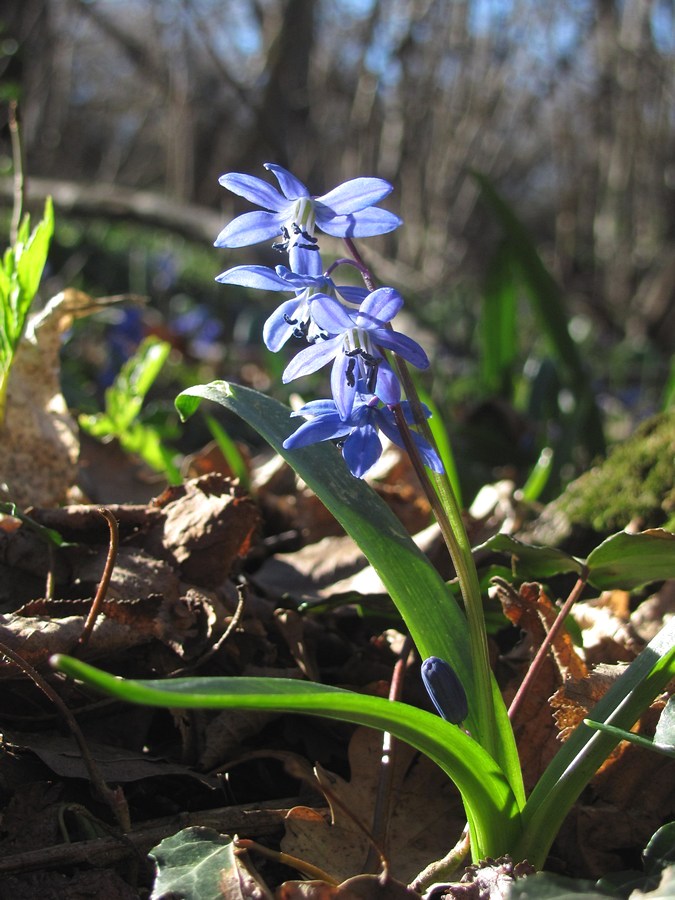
x: 445, y: 689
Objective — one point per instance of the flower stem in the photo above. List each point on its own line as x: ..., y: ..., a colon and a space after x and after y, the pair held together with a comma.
x: 446, y: 509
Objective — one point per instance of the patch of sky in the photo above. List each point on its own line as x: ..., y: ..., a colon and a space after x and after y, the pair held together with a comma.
x: 663, y: 26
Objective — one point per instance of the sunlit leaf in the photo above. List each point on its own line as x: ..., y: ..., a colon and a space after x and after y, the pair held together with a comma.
x: 627, y: 561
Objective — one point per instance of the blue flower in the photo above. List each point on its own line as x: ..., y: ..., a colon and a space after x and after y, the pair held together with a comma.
x: 357, y: 434
x: 353, y: 341
x: 346, y: 211
x: 293, y: 318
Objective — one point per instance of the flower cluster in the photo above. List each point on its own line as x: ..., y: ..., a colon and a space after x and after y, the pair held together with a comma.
x: 345, y: 325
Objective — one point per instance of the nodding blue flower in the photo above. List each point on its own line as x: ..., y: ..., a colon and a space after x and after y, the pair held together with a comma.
x: 347, y: 211
x: 353, y: 339
x: 445, y: 689
x: 357, y: 434
x: 294, y: 317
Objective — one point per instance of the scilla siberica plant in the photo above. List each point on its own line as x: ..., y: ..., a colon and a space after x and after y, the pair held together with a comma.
x: 351, y: 327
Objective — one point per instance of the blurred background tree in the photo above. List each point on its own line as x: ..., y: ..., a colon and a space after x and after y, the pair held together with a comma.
x: 132, y: 109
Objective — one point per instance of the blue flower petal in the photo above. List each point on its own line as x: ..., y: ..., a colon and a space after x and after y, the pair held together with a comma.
x: 403, y: 345
x: 312, y: 358
x: 387, y: 424
x: 388, y: 387
x: 323, y: 429
x: 365, y: 223
x: 361, y: 450
x: 255, y: 277
x: 289, y: 184
x: 352, y: 293
x: 276, y: 330
x: 316, y: 408
x: 355, y: 195
x: 342, y: 388
x: 332, y: 316
x: 250, y: 228
x: 304, y: 261
x: 379, y: 307
x: 254, y: 189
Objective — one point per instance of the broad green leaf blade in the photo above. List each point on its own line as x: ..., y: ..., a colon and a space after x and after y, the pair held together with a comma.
x: 433, y: 617
x: 582, y: 754
x: 627, y: 561
x: 193, y: 865
x: 531, y: 561
x: 490, y: 803
x: 436, y: 622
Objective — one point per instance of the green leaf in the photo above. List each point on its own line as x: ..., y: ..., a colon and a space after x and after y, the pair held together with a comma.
x: 230, y: 451
x: 490, y: 803
x: 498, y: 324
x: 191, y: 864
x: 632, y: 738
x: 627, y: 561
x: 547, y: 303
x: 660, y: 851
x: 434, y: 619
x: 31, y: 257
x: 530, y: 561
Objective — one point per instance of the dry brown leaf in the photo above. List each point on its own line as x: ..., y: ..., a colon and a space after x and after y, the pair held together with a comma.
x: 425, y: 812
x: 37, y: 631
x: 39, y: 437
x: 534, y: 726
x: 116, y: 765
x: 208, y: 524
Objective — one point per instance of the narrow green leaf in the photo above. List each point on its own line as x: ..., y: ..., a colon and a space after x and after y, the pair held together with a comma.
x: 627, y: 561
x: 632, y: 738
x: 490, y: 802
x: 582, y: 754
x: 443, y: 444
x: 530, y: 561
x: 497, y: 326
x: 539, y: 476
x: 230, y: 451
x: 31, y: 257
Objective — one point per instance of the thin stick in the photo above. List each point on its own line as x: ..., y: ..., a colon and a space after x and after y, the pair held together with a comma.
x: 552, y: 634
x: 389, y: 744
x: 19, y: 183
x: 307, y: 869
x: 113, y: 798
x: 104, y: 583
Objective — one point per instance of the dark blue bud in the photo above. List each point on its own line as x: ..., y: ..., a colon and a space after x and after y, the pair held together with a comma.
x: 445, y: 689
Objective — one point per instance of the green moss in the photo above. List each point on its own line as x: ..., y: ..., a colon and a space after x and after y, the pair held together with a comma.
x: 636, y: 483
